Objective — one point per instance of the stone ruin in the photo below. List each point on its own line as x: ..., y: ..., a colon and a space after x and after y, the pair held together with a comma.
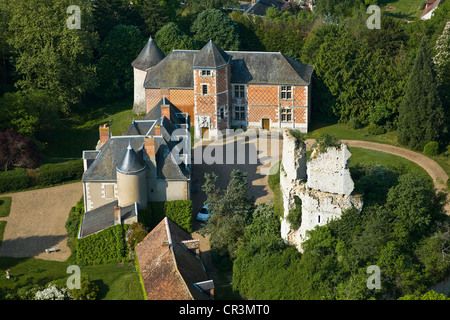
x: 323, y: 184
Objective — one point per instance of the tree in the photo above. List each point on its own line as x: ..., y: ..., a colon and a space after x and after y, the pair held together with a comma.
x: 47, y: 54
x: 110, y: 13
x: 231, y: 211
x: 200, y: 5
x: 421, y: 114
x: 121, y: 45
x: 212, y: 24
x: 171, y: 37
x: 17, y: 151
x: 157, y: 13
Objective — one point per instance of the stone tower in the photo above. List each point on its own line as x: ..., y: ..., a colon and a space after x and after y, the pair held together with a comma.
x: 212, y: 71
x: 131, y: 179
x: 149, y: 56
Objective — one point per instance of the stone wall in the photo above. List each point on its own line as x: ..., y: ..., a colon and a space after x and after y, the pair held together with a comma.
x: 323, y: 184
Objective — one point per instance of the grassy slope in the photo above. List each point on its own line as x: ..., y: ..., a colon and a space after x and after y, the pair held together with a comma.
x: 404, y: 9
x: 116, y: 282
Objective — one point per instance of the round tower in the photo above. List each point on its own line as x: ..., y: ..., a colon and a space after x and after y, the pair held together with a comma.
x: 131, y: 180
x: 149, y: 56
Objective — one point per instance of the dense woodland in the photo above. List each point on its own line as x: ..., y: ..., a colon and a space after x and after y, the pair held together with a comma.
x: 391, y: 79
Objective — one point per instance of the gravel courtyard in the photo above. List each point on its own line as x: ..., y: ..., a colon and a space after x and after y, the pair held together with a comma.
x: 37, y: 222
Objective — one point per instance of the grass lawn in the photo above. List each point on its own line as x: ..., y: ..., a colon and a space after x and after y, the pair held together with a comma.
x: 115, y: 281
x: 81, y: 133
x: 320, y: 125
x: 404, y: 9
x: 5, y: 206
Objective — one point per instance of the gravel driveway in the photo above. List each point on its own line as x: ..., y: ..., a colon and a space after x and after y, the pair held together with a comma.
x: 37, y: 222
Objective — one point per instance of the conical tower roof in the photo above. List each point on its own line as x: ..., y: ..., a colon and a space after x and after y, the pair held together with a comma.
x: 211, y: 56
x: 131, y: 162
x: 150, y: 55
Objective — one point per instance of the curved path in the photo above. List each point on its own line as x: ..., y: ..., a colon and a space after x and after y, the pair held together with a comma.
x: 430, y: 166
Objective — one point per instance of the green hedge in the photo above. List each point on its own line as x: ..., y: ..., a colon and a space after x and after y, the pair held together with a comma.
x: 61, y: 172
x: 179, y: 211
x: 106, y: 246
x: 14, y: 180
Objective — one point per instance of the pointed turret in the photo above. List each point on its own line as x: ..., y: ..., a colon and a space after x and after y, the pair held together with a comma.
x: 150, y: 55
x: 211, y: 56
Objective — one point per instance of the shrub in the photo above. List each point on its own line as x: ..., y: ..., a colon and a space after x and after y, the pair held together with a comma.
x: 375, y: 129
x: 51, y: 174
x: 297, y: 134
x: 327, y: 140
x: 354, y: 123
x: 431, y: 149
x: 13, y: 180
x: 103, y: 247
x: 448, y: 184
x: 180, y: 212
x: 294, y: 216
x: 88, y: 290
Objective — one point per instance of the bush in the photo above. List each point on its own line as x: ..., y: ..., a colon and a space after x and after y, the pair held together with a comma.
x: 448, y: 184
x: 354, y: 123
x: 179, y: 211
x: 103, y: 247
x: 375, y: 129
x: 14, y: 180
x: 431, y: 149
x: 294, y: 216
x: 51, y: 174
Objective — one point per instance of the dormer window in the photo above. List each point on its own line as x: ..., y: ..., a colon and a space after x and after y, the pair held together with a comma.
x: 206, y: 73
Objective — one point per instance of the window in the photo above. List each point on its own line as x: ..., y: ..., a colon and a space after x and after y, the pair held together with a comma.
x: 205, y: 73
x: 239, y: 113
x: 222, y: 113
x: 239, y: 91
x: 108, y: 191
x: 204, y: 89
x: 286, y: 114
x: 286, y: 92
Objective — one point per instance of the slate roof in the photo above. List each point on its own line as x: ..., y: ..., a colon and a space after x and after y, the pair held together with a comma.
x: 164, y: 165
x: 211, y: 56
x: 102, y: 217
x: 260, y: 7
x: 131, y: 162
x: 169, y: 270
x: 175, y: 71
x: 149, y: 56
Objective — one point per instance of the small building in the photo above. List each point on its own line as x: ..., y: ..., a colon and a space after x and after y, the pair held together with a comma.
x: 430, y: 6
x: 259, y: 7
x: 220, y: 89
x: 170, y: 265
x: 125, y: 172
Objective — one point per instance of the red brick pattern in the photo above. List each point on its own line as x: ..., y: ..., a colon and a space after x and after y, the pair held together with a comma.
x: 259, y: 95
x: 181, y: 97
x: 152, y: 97
x: 300, y: 96
x: 222, y: 99
x: 255, y: 114
x: 206, y: 104
x: 222, y: 80
x: 300, y: 115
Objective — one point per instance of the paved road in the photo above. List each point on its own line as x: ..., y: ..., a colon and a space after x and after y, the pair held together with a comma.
x: 37, y: 221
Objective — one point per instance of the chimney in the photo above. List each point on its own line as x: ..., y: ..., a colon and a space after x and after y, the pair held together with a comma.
x: 165, y: 109
x: 157, y: 131
x: 104, y: 134
x: 117, y: 215
x: 149, y: 146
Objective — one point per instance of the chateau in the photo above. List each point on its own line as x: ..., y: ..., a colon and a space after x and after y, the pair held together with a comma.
x: 224, y: 89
